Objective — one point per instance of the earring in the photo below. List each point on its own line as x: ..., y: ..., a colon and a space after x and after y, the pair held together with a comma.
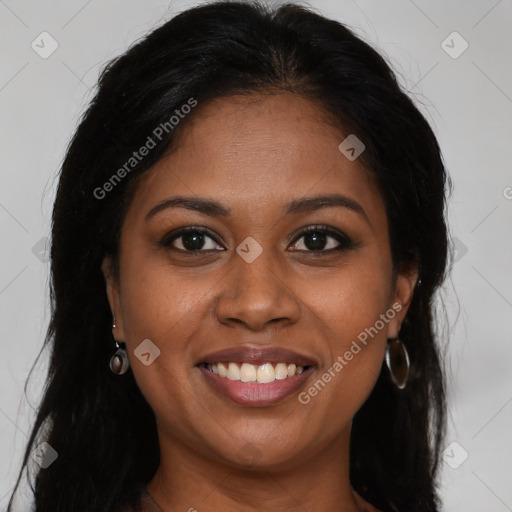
x: 397, y: 360
x: 119, y: 362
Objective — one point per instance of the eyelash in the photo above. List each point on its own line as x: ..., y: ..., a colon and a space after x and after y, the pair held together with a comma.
x: 345, y: 243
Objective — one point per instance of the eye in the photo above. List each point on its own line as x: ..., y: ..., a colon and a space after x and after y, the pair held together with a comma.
x: 317, y: 239
x: 191, y: 239
x: 324, y: 239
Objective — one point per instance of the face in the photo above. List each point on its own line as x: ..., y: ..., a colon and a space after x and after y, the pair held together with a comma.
x: 268, y: 279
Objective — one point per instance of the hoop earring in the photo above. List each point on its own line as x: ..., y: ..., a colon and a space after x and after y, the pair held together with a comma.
x: 119, y: 362
x: 397, y: 360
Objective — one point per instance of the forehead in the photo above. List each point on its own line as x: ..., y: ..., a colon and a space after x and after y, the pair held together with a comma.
x: 258, y: 150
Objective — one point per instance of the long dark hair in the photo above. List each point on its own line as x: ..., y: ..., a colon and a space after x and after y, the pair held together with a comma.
x: 100, y: 424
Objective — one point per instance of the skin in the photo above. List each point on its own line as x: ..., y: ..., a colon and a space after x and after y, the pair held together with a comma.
x: 254, y: 154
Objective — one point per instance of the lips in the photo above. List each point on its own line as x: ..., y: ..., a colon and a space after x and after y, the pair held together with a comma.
x: 257, y: 356
x: 256, y: 376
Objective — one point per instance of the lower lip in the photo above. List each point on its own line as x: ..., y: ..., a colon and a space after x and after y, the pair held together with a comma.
x: 254, y: 393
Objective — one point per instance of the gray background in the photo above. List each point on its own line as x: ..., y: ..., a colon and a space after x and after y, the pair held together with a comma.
x: 467, y: 99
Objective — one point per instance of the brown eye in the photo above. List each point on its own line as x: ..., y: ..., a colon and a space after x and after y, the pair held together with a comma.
x: 191, y: 239
x: 322, y: 239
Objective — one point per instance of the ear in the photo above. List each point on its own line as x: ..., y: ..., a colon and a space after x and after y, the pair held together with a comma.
x: 112, y: 286
x: 401, y: 299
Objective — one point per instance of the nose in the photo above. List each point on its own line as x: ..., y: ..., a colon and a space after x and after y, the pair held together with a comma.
x: 257, y: 295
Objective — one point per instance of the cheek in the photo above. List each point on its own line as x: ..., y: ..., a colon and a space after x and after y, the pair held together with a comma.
x: 353, y: 298
x: 167, y: 308
x: 350, y: 305
x: 160, y: 302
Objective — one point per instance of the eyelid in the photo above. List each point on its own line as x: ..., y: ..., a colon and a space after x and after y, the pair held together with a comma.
x: 344, y: 241
x: 178, y: 232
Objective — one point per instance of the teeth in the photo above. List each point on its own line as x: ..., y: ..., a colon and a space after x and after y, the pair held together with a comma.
x: 233, y: 372
x: 266, y: 373
x: 281, y: 371
x: 247, y: 373
x: 223, y: 371
x: 263, y: 373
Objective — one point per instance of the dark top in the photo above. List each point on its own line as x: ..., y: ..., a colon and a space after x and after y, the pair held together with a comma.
x: 147, y: 504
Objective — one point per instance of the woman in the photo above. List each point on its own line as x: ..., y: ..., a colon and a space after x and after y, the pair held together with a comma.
x: 248, y: 233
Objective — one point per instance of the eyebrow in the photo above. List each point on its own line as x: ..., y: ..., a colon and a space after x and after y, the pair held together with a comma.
x: 216, y: 209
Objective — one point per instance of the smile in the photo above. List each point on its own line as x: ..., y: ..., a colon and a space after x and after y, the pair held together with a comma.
x: 268, y: 387
x: 256, y: 375
x: 247, y: 372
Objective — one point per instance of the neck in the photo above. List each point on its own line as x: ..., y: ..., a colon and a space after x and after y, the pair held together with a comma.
x: 186, y: 480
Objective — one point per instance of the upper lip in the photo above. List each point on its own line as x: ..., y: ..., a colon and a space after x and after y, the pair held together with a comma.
x: 257, y: 356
